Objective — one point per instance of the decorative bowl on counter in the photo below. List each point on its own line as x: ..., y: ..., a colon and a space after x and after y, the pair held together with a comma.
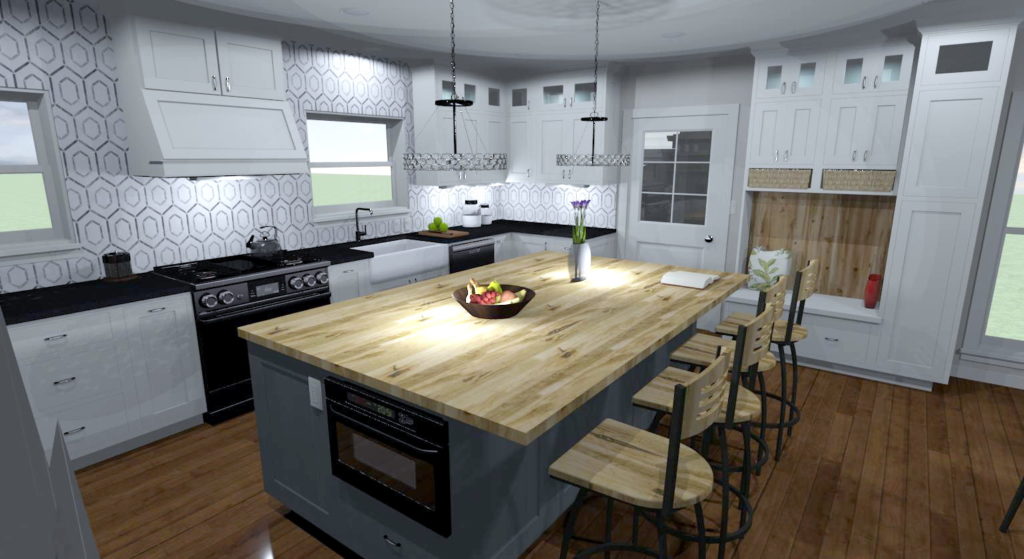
x: 494, y: 311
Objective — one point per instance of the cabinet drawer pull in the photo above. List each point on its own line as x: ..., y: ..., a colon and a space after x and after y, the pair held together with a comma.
x: 783, y: 88
x: 75, y: 430
x: 158, y: 309
x: 347, y: 271
x: 55, y: 338
x: 876, y: 82
x: 213, y: 81
x: 64, y: 381
x: 864, y: 82
x: 828, y: 339
x: 227, y: 84
x: 785, y: 156
x: 866, y: 154
x: 776, y: 156
x: 392, y: 542
x: 854, y: 155
x: 792, y: 88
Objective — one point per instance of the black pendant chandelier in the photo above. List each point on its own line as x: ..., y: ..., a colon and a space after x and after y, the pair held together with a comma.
x: 454, y: 161
x: 593, y: 159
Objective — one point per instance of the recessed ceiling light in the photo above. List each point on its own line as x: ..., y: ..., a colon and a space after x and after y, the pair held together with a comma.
x: 673, y: 34
x: 355, y: 11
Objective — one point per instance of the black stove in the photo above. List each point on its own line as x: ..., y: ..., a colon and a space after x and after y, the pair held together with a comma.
x: 233, y: 291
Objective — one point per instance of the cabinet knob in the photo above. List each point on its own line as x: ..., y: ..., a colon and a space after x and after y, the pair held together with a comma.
x: 708, y: 239
x: 213, y: 81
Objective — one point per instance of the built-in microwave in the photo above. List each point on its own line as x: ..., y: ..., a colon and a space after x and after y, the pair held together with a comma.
x: 392, y: 452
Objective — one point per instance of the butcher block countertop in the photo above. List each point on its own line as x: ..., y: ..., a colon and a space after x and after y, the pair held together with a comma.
x: 515, y: 377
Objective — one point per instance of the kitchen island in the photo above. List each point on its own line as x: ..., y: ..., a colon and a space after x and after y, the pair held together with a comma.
x: 504, y: 398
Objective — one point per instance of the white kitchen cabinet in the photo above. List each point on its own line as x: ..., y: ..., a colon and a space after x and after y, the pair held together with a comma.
x: 874, y: 69
x: 112, y: 374
x: 864, y: 132
x: 349, y: 280
x: 521, y: 149
x: 784, y: 133
x: 165, y: 360
x: 504, y: 247
x: 785, y: 76
x: 409, y: 280
x: 604, y: 245
x: 250, y: 66
x: 529, y: 244
x: 191, y: 59
x: 554, y: 130
x: 177, y: 57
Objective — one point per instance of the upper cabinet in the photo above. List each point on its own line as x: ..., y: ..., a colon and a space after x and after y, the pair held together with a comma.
x: 190, y: 59
x: 784, y: 133
x: 790, y: 76
x: 875, y: 69
x: 864, y: 132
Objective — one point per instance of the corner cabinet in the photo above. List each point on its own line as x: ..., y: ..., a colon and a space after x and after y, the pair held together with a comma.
x: 188, y: 59
x: 111, y: 375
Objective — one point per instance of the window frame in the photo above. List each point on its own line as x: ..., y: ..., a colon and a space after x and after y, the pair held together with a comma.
x: 396, y: 138
x: 977, y: 345
x: 61, y: 234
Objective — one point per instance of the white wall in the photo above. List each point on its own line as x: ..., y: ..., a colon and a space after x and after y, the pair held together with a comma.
x: 717, y: 80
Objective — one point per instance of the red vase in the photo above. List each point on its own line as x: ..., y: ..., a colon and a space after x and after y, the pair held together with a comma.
x: 871, y: 291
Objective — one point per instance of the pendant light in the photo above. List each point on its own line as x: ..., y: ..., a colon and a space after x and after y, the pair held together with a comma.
x: 454, y: 161
x: 593, y: 159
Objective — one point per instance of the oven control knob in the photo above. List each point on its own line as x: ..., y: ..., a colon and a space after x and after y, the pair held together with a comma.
x: 309, y: 279
x: 322, y: 278
x: 226, y: 297
x: 208, y: 300
x: 295, y: 282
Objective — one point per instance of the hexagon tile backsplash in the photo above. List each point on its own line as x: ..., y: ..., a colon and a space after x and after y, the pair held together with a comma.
x: 64, y: 47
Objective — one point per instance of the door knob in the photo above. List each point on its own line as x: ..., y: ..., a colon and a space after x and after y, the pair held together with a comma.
x: 708, y: 238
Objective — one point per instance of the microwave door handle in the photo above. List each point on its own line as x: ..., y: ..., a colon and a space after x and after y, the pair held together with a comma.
x: 391, y: 438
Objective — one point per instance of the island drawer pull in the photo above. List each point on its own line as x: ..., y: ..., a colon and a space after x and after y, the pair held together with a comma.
x: 55, y: 338
x: 391, y: 542
x: 75, y: 430
x: 64, y: 381
x: 158, y: 309
x: 828, y: 339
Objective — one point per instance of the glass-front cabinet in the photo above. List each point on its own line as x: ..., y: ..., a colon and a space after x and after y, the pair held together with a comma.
x: 790, y: 76
x: 885, y: 68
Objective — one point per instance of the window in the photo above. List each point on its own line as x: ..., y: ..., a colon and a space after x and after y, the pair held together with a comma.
x: 1008, y: 295
x: 675, y: 177
x: 352, y: 163
x: 34, y: 214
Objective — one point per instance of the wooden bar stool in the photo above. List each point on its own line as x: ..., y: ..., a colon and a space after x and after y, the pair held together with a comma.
x: 785, y: 334
x: 742, y: 408
x: 655, y: 475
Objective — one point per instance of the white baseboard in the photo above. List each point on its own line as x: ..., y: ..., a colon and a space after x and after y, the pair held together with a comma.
x: 989, y: 373
x: 865, y: 374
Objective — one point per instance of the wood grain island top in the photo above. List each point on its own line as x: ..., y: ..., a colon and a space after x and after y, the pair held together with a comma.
x: 515, y: 377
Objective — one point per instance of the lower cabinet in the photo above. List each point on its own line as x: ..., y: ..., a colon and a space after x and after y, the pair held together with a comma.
x: 604, y: 245
x: 409, y: 280
x: 112, y: 374
x: 349, y: 280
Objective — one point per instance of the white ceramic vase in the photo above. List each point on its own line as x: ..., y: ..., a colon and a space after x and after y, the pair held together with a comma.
x: 579, y: 261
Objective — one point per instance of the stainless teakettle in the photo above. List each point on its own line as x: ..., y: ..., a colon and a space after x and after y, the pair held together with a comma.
x: 266, y: 245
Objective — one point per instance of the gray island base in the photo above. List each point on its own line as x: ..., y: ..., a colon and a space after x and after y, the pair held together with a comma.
x: 502, y: 497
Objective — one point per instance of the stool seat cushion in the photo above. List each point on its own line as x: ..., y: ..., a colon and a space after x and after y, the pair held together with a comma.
x: 731, y: 326
x: 702, y: 349
x: 657, y: 395
x: 628, y: 464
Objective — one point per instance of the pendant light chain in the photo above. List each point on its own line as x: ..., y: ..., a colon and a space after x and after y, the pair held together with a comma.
x: 455, y: 90
x: 597, y: 45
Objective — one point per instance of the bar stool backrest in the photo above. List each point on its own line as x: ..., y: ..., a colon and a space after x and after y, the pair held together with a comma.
x: 774, y: 295
x: 805, y: 285
x: 706, y: 396
x: 753, y: 341
x: 675, y: 430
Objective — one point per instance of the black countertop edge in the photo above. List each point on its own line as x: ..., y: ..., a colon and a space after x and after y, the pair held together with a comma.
x: 37, y: 304
x: 342, y: 253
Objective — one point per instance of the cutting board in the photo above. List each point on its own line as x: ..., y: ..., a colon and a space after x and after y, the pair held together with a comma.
x: 449, y: 234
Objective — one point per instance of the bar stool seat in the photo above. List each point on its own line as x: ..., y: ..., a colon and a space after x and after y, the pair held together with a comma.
x: 657, y: 395
x: 701, y: 350
x: 628, y: 464
x: 731, y: 325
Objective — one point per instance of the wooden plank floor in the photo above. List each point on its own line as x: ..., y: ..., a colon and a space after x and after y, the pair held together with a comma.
x: 872, y: 471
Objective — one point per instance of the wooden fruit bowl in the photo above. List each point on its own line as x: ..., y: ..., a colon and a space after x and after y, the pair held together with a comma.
x: 494, y: 311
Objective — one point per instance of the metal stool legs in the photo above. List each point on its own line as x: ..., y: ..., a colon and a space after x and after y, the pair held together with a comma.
x: 1014, y: 505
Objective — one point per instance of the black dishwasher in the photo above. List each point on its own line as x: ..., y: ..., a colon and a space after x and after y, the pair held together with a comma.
x: 470, y: 254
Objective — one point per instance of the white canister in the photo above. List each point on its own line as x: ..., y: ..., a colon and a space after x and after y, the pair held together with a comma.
x: 470, y: 207
x: 471, y: 220
x: 486, y: 214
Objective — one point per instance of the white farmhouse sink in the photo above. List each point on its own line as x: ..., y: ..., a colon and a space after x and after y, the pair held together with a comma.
x: 403, y: 258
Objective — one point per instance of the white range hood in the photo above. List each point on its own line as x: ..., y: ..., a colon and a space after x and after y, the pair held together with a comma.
x: 202, y: 102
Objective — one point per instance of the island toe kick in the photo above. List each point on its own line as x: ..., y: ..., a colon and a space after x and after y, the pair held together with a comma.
x: 501, y: 497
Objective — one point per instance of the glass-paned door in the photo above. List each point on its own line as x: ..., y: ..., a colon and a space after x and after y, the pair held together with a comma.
x: 676, y: 166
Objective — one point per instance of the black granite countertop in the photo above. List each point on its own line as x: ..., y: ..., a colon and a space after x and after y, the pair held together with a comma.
x: 36, y: 304
x: 342, y: 253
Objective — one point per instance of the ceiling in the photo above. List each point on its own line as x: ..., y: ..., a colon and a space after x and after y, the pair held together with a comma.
x: 562, y: 29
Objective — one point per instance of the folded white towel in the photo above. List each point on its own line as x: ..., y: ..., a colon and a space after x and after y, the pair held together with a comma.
x: 688, y: 279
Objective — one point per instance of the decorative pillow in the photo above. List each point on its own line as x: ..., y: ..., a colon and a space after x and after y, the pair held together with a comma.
x: 765, y: 266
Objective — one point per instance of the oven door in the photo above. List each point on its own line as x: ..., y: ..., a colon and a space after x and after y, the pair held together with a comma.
x: 403, y: 471
x: 225, y: 355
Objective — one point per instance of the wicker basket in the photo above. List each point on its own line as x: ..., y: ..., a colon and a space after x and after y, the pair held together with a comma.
x: 782, y: 179
x: 858, y: 180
